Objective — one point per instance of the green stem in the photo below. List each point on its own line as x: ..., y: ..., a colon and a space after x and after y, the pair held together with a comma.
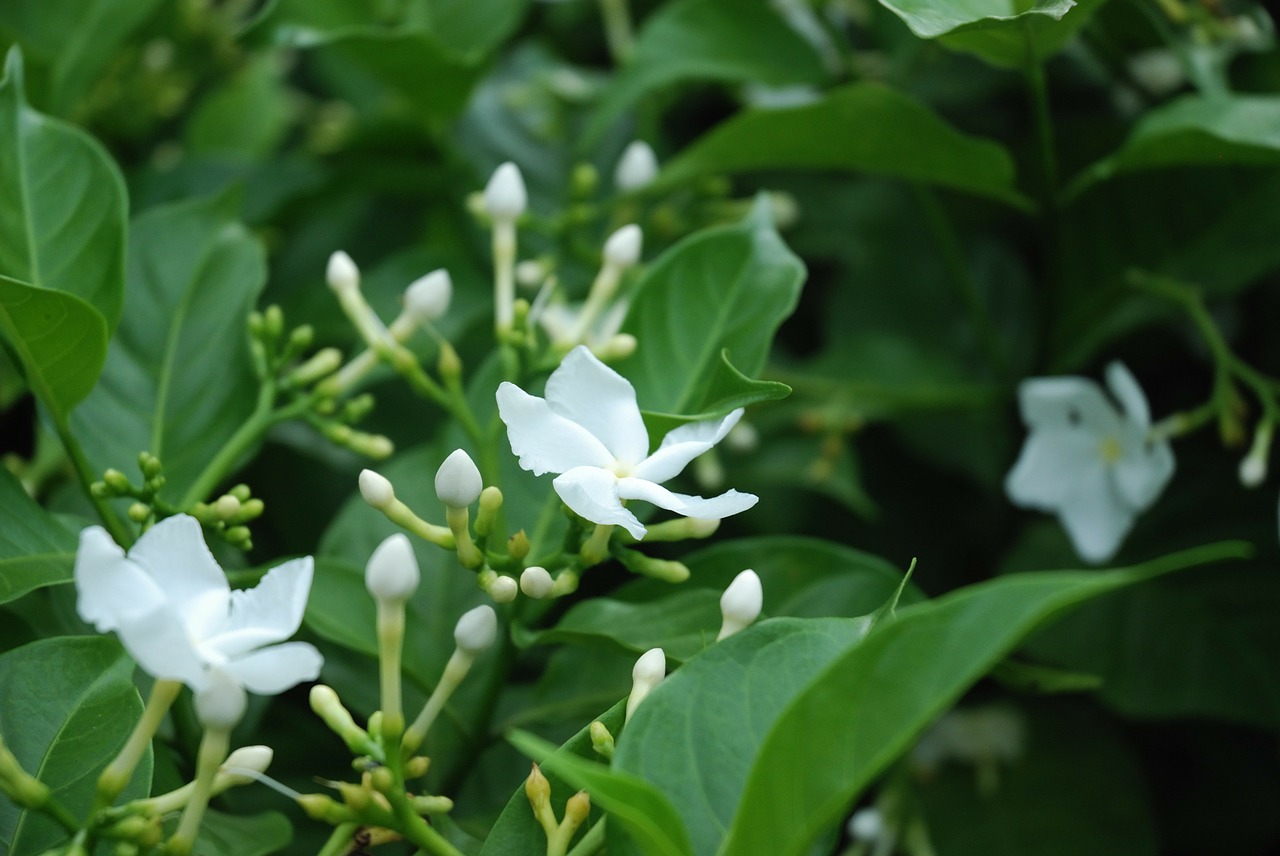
x: 213, y: 751
x: 122, y: 534
x: 246, y: 435
x: 340, y: 841
x: 118, y: 772
x: 617, y: 29
x: 591, y: 842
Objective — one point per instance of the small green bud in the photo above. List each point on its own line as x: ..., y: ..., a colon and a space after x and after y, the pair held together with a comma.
x: 239, y: 536
x: 240, y: 492
x: 300, y: 338
x: 100, y: 490
x: 584, y: 180
x: 250, y: 510
x: 383, y: 781
x: 273, y: 322
x: 150, y: 465
x: 373, y: 446
x: 416, y: 766
x: 117, y: 482
x: 355, y: 796
x: 324, y: 808
x: 358, y: 408
x: 139, y: 512
x: 204, y: 513
x: 601, y: 740
x: 490, y: 505
x: 426, y: 804
x: 449, y: 363
x: 255, y: 323
x: 538, y: 791
x: 326, y: 406
x: 226, y: 506
x: 321, y: 364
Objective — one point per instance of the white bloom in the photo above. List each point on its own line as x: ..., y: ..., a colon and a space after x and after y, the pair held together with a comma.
x: 637, y: 167
x: 589, y: 430
x: 867, y: 824
x: 1093, y: 465
x: 741, y: 603
x: 504, y: 196
x: 170, y: 604
x: 649, y: 671
x: 458, y: 481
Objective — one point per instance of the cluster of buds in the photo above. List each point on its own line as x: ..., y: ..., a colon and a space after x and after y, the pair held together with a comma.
x: 147, y: 506
x: 230, y: 514
x: 559, y: 832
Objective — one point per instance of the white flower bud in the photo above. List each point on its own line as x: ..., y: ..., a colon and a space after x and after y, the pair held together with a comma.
x: 342, y: 273
x: 647, y: 673
x: 255, y: 758
x: 622, y: 249
x: 222, y: 702
x: 531, y: 273
x: 504, y: 196
x: 503, y: 589
x: 740, y: 604
x: 637, y: 167
x: 1253, y: 471
x: 476, y: 630
x: 376, y: 489
x: 392, y: 571
x: 427, y: 297
x: 867, y: 824
x: 458, y: 482
x: 536, y: 582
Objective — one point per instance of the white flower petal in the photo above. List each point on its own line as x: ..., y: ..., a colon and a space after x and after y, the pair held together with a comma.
x: 682, y: 445
x: 173, y: 552
x: 1095, y: 516
x: 1067, y: 402
x: 1125, y: 388
x: 1046, y: 470
x: 163, y: 648
x: 729, y: 502
x: 588, y: 392
x: 1142, y: 472
x: 276, y: 668
x: 270, y: 612
x: 110, y: 589
x: 592, y: 493
x: 545, y: 441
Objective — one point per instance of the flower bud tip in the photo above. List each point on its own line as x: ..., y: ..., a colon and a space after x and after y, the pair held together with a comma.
x: 458, y: 481
x: 392, y: 571
x: 505, y: 197
x: 536, y: 582
x: 637, y: 167
x: 427, y: 297
x: 503, y: 589
x: 476, y: 630
x: 376, y: 489
x: 342, y: 273
x: 741, y: 603
x: 622, y: 249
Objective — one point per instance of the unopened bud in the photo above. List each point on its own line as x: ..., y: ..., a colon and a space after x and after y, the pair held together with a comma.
x: 518, y: 546
x: 226, y: 506
x: 392, y: 571
x: 490, y: 505
x: 504, y: 196
x: 538, y: 791
x: 139, y: 512
x: 583, y: 180
x: 221, y: 703
x: 117, y: 481
x: 622, y: 249
x: 322, y: 364
x: 254, y: 759
x: 619, y: 347
x: 536, y: 582
x: 458, y: 481
x: 449, y: 364
x: 342, y: 273
x: 601, y: 740
x: 427, y: 298
x: 503, y: 589
x: 149, y: 464
x: 867, y: 824
x: 273, y: 321
x: 416, y: 766
x: 327, y: 706
x: 241, y: 492
x: 576, y: 811
x: 637, y: 167
x: 1253, y: 468
x: 476, y: 630
x: 374, y: 446
x: 648, y: 672
x: 376, y: 489
x: 531, y: 273
x: 741, y: 603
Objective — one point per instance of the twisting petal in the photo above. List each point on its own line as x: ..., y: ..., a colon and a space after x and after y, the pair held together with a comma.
x: 1124, y: 386
x: 173, y: 552
x: 727, y: 503
x: 592, y: 493
x: 682, y: 445
x: 274, y: 669
x: 1066, y: 402
x: 161, y: 645
x: 1095, y: 516
x: 545, y: 441
x: 1046, y: 470
x: 267, y: 613
x: 110, y: 589
x: 586, y: 391
x: 1142, y: 472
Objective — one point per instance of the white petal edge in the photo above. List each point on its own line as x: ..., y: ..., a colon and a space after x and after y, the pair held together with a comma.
x: 544, y: 441
x: 163, y: 648
x: 110, y: 589
x: 1046, y: 469
x: 1124, y: 386
x: 1066, y: 402
x: 682, y: 445
x: 173, y: 552
x: 592, y: 493
x: 274, y: 669
x: 1142, y: 473
x: 1095, y: 516
x: 727, y: 503
x: 270, y: 612
x: 586, y: 391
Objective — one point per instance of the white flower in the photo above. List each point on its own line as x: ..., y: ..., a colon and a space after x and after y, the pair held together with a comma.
x: 1093, y: 465
x: 637, y: 167
x: 458, y: 481
x: 504, y: 196
x: 741, y: 603
x: 589, y: 429
x: 649, y: 671
x: 170, y: 604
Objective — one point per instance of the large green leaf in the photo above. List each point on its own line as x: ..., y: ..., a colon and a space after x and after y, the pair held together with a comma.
x: 178, y: 381
x: 242, y: 835
x: 35, y: 549
x: 66, y: 707
x: 726, y: 288
x: 62, y: 225
x: 863, y: 127
x: 852, y: 721
x: 724, y: 41
x: 1006, y: 33
x: 60, y: 340
x: 247, y: 116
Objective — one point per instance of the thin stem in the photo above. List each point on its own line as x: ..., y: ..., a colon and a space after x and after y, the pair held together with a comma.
x: 122, y: 534
x: 213, y: 751
x: 340, y: 841
x: 117, y: 774
x: 246, y: 435
x: 390, y: 642
x: 592, y: 840
x: 1049, y: 198
x: 617, y: 29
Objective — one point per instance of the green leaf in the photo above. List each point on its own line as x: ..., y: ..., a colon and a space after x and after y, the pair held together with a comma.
x: 910, y: 142
x: 71, y: 42
x: 860, y: 714
x: 60, y: 340
x: 62, y: 226
x: 723, y: 41
x: 178, y: 381
x: 726, y: 288
x: 1005, y: 33
x: 1196, y: 130
x: 224, y: 834
x: 247, y: 116
x: 35, y: 549
x: 728, y: 390
x: 472, y: 28
x: 635, y: 805
x: 67, y: 706
x: 681, y: 624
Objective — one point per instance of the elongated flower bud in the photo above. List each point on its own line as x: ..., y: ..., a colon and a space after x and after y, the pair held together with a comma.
x: 476, y: 630
x: 504, y: 196
x: 622, y: 249
x: 255, y: 759
x: 342, y: 273
x: 221, y: 704
x: 637, y: 167
x: 392, y: 571
x: 427, y: 298
x: 648, y: 672
x: 740, y: 604
x: 376, y: 489
x: 458, y: 481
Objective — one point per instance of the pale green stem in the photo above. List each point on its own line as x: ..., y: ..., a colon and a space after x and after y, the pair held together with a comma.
x: 592, y: 841
x: 120, y: 770
x: 504, y: 287
x: 213, y: 751
x: 390, y: 643
x: 84, y: 472
x: 454, y: 671
x: 617, y: 29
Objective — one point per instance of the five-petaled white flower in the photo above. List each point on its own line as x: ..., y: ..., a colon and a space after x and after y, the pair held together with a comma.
x: 169, y: 602
x: 1093, y: 465
x: 589, y: 430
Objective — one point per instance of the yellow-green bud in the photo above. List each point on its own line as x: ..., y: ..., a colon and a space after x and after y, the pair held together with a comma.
x: 490, y: 505
x: 327, y: 705
x: 273, y: 321
x: 117, y: 481
x: 321, y: 364
x: 425, y: 804
x: 301, y: 337
x: 416, y: 766
x: 449, y: 364
x: 601, y: 740
x: 226, y: 506
x: 518, y: 546
x: 240, y: 492
x: 139, y: 512
x: 249, y: 510
x: 576, y: 811
x: 382, y: 780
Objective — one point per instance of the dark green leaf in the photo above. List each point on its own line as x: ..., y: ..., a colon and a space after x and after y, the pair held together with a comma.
x: 242, y: 835
x: 248, y: 116
x: 35, y: 549
x: 729, y: 389
x: 67, y: 706
x: 472, y: 28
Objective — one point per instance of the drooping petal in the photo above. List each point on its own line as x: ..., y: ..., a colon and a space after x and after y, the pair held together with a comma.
x: 173, y: 552
x: 163, y: 648
x: 586, y: 391
x: 727, y: 503
x: 592, y: 493
x: 270, y: 612
x: 1124, y: 386
x: 1066, y: 402
x: 1045, y: 472
x: 682, y: 445
x: 110, y: 589
x: 276, y: 668
x: 545, y: 441
x: 1095, y: 516
x: 1143, y: 471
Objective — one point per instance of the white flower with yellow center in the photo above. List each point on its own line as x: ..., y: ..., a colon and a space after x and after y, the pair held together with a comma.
x: 1094, y: 466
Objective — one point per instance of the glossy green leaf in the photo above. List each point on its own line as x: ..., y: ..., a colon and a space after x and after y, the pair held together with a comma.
x: 178, y: 381
x: 62, y: 226
x: 681, y: 624
x: 878, y: 696
x: 1002, y: 32
x: 726, y: 288
x: 35, y: 549
x: 863, y: 128
x: 224, y: 834
x: 67, y: 706
x: 1197, y: 130
x: 723, y: 41
x: 727, y: 390
x: 248, y: 116
x: 60, y: 340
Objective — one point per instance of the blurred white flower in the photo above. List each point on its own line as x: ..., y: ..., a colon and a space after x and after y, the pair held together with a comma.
x: 1094, y: 466
x: 589, y: 429
x: 169, y: 602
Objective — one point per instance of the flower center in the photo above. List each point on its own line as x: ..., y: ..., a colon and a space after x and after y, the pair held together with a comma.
x: 1110, y: 450
x: 621, y: 469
